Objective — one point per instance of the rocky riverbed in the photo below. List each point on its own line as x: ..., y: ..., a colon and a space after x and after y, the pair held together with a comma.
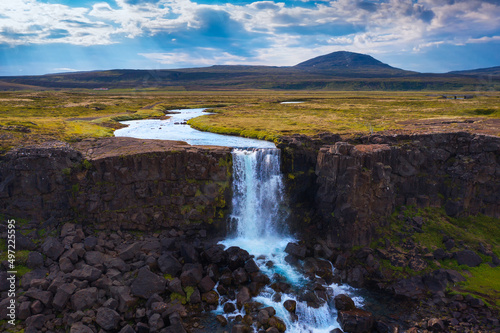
x: 83, y: 280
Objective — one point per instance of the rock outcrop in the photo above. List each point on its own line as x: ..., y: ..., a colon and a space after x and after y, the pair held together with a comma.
x: 118, y: 183
x: 356, y: 184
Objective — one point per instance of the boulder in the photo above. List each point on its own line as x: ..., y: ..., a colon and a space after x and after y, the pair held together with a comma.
x: 240, y: 276
x: 35, y: 260
x: 66, y: 265
x: 468, y: 258
x: 90, y: 243
x: 175, y: 286
x: 251, y: 266
x: 107, y: 318
x: 127, y: 329
x: 36, y: 321
x: 191, y: 275
x: 84, y: 298
x: 206, y: 284
x: 222, y: 320
x: 211, y: 297
x: 147, y: 283
x: 189, y: 253
x: 24, y: 243
x: 242, y: 297
x: 24, y: 310
x: 215, y: 254
x: 122, y: 294
x: 94, y: 258
x: 298, y: 251
x: 435, y: 325
x: 277, y: 323
x: 290, y: 305
x: 80, y: 328
x: 236, y: 257
x: 52, y: 248
x: 43, y: 296
x: 229, y: 307
x: 63, y: 295
x: 356, y: 321
x: 168, y: 264
x: 87, y: 273
x: 130, y: 251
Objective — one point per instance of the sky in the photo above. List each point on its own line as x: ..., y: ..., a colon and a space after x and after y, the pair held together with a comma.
x: 52, y: 36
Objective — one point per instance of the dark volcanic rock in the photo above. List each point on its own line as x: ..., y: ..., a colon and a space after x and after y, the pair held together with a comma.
x: 290, y: 305
x: 191, y: 275
x: 296, y: 250
x: 356, y: 321
x: 344, y: 303
x: 84, y: 298
x: 107, y: 318
x: 52, y: 248
x: 147, y: 283
x: 168, y: 264
x: 469, y: 258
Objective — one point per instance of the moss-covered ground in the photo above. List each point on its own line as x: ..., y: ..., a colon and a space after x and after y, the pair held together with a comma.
x: 478, y: 233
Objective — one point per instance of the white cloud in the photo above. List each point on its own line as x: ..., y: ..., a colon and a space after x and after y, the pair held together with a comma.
x: 200, y: 57
x: 381, y: 27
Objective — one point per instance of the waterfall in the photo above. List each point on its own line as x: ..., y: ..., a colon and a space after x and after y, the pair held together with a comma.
x: 258, y: 225
x: 257, y: 193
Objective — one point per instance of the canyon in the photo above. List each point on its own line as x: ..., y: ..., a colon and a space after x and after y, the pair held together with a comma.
x: 340, y: 192
x: 337, y: 189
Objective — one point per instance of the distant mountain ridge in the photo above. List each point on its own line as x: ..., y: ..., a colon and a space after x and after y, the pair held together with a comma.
x: 335, y: 71
x: 480, y: 71
x: 351, y: 63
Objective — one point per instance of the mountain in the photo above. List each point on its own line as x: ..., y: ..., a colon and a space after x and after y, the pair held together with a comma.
x: 334, y: 71
x: 480, y: 71
x: 350, y: 63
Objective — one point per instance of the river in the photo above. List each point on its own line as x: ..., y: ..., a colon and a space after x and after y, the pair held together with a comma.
x: 258, y: 219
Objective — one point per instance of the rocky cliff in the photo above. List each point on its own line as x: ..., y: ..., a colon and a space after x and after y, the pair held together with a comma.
x: 118, y: 183
x: 359, y: 183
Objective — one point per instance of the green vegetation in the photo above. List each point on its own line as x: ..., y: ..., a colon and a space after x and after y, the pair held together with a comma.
x: 346, y: 113
x: 32, y: 117
x: 484, y: 283
x: 479, y: 231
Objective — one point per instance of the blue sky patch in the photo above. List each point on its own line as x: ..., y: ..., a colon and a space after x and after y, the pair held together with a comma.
x: 425, y: 36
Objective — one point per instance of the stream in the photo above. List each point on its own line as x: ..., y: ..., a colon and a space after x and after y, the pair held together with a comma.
x: 258, y: 220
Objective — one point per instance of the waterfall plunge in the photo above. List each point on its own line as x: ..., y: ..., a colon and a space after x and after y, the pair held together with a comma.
x: 259, y: 226
x: 257, y: 194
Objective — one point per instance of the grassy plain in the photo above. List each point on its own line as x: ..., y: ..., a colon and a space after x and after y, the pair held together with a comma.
x: 29, y: 117
x: 34, y: 116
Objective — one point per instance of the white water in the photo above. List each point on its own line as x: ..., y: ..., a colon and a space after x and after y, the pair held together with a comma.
x: 259, y: 226
x: 175, y: 128
x: 258, y: 219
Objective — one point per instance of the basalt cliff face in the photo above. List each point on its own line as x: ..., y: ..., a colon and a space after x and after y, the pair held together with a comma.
x: 338, y: 191
x: 118, y: 183
x: 348, y: 189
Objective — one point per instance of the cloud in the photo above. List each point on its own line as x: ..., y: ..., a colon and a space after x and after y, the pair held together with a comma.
x: 485, y: 39
x: 252, y: 31
x: 64, y: 69
x: 197, y: 57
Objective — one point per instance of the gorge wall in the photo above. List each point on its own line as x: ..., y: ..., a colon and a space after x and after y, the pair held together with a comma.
x: 338, y: 191
x: 118, y: 183
x: 355, y: 185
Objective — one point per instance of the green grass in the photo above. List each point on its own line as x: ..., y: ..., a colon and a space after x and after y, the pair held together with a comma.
x: 341, y: 112
x: 33, y: 117
x: 483, y: 281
